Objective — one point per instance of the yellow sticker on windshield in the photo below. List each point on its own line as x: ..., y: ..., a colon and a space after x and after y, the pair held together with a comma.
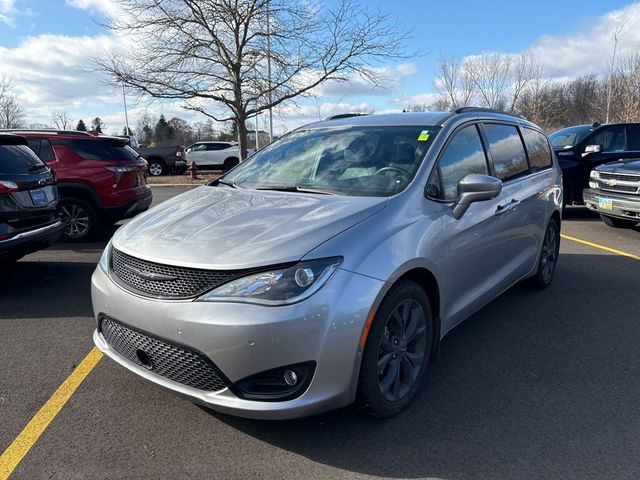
x: 424, y: 136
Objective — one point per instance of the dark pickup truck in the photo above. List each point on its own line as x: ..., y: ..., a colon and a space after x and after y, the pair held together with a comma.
x: 614, y: 192
x: 163, y: 160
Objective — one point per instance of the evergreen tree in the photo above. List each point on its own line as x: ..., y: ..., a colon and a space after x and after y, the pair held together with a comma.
x: 81, y: 127
x: 98, y: 125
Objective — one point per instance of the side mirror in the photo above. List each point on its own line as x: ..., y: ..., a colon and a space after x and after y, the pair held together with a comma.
x: 475, y: 188
x: 589, y: 149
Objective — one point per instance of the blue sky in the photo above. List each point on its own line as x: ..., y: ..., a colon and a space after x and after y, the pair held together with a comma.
x: 43, y: 42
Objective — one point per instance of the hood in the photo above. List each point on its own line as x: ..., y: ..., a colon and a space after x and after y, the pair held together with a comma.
x: 225, y: 228
x: 628, y: 165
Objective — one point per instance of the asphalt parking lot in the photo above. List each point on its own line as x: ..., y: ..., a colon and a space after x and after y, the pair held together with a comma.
x: 535, y: 385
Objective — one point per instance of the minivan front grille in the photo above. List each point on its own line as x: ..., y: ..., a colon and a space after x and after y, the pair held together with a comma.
x: 178, y: 363
x: 158, y: 280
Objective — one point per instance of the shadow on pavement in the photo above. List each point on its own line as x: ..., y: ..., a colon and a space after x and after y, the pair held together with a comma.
x: 535, y: 385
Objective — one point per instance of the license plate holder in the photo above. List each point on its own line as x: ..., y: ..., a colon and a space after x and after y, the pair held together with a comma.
x: 605, y: 203
x: 38, y: 196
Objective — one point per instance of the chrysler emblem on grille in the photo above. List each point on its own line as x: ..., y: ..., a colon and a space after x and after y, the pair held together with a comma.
x: 150, y: 276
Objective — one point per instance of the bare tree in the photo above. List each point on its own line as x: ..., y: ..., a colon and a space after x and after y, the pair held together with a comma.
x: 454, y: 83
x: 616, y: 35
x: 625, y: 85
x: 213, y: 54
x: 490, y: 75
x: 61, y: 119
x: 11, y: 112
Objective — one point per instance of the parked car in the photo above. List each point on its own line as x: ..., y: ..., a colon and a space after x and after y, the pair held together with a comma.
x: 101, y: 179
x: 215, y: 155
x: 29, y: 217
x: 581, y: 148
x: 344, y: 252
x: 614, y: 192
x: 163, y: 160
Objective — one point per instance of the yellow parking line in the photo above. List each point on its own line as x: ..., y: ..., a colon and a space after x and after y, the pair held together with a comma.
x: 601, y: 247
x: 12, y: 456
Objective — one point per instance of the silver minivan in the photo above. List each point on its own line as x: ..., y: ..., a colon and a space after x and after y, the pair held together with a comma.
x: 326, y: 269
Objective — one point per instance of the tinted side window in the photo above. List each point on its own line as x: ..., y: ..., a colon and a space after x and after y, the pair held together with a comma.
x: 34, y: 144
x: 537, y: 148
x: 215, y: 146
x: 633, y: 137
x: 46, y: 152
x: 18, y: 160
x: 464, y: 155
x: 105, y: 150
x: 610, y: 139
x: 507, y: 151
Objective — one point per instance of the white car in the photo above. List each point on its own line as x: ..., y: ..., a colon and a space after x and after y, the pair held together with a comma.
x: 223, y: 155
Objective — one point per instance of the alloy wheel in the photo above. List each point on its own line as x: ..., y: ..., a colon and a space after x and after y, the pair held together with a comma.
x: 77, y: 219
x: 402, y: 349
x: 549, y: 254
x: 155, y: 169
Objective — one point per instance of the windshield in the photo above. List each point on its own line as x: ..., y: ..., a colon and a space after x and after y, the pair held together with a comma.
x: 365, y: 161
x: 569, y: 137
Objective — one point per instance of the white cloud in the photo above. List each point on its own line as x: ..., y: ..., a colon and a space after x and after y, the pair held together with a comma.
x: 589, y: 50
x: 7, y: 11
x: 53, y: 71
x: 108, y: 8
x: 390, y: 77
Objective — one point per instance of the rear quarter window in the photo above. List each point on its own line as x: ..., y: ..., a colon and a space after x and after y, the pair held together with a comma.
x: 18, y: 160
x: 100, y: 150
x: 537, y: 148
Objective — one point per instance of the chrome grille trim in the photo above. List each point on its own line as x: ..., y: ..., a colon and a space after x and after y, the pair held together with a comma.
x: 171, y: 282
x: 619, y: 176
x: 175, y: 362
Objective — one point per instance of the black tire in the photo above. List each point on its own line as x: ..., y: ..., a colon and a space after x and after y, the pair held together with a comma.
x: 229, y: 163
x: 617, y: 222
x: 382, y: 393
x: 156, y: 167
x: 81, y: 217
x: 548, y: 257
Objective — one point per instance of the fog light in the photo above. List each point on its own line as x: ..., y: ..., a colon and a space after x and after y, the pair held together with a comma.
x: 276, y: 385
x: 290, y: 377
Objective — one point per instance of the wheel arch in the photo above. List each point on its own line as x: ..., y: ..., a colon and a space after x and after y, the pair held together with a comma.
x: 79, y: 190
x: 427, y: 280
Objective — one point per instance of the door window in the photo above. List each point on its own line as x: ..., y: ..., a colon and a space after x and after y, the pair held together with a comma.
x: 537, y: 148
x: 462, y: 156
x: 610, y: 139
x: 633, y: 138
x: 507, y: 151
x: 216, y: 146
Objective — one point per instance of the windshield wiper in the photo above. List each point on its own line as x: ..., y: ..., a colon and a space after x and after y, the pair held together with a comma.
x: 297, y: 188
x: 35, y: 168
x: 229, y: 184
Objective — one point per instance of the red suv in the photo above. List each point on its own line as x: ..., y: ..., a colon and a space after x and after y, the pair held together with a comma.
x: 101, y: 179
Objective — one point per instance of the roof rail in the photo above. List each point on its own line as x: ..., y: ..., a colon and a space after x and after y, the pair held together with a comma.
x: 345, y: 115
x: 44, y: 130
x: 485, y: 110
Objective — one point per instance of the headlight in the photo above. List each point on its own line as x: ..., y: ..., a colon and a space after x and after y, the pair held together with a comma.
x: 277, y: 287
x: 594, y: 174
x: 593, y: 184
x: 104, y: 259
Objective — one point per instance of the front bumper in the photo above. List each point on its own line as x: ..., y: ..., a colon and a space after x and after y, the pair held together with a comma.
x: 622, y: 206
x: 244, y: 339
